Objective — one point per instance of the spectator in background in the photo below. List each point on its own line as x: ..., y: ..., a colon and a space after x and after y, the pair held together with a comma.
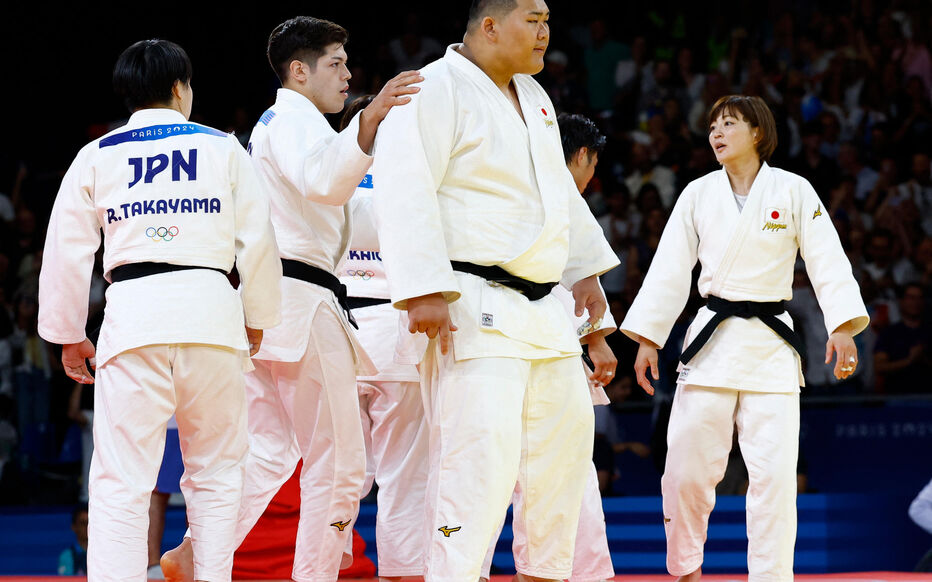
x: 561, y: 84
x: 902, y: 356
x: 851, y: 163
x: 644, y: 170
x: 601, y: 58
x: 32, y: 362
x: 812, y: 164
x: 888, y: 267
x: 918, y: 189
x: 73, y: 560
x: 412, y: 50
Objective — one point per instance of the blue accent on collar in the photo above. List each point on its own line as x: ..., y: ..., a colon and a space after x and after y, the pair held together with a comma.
x: 154, y: 132
x: 267, y: 116
x: 366, y: 182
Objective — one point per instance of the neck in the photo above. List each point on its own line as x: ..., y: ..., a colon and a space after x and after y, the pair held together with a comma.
x: 300, y: 89
x: 741, y: 174
x: 486, y: 62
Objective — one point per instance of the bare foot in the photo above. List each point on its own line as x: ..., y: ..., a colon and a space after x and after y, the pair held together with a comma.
x: 178, y: 564
x: 693, y: 577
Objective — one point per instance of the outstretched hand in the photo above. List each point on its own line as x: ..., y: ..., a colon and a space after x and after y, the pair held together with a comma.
x: 395, y: 92
x: 73, y: 359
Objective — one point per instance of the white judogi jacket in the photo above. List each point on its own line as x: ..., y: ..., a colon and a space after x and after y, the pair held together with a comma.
x: 462, y: 177
x: 309, y: 172
x: 361, y: 269
x: 745, y: 255
x: 163, y: 190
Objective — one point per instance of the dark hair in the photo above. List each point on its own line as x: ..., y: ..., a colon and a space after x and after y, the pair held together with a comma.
x: 302, y: 38
x: 357, y: 105
x: 146, y: 72
x: 77, y: 511
x: 758, y: 115
x: 478, y: 9
x: 577, y: 132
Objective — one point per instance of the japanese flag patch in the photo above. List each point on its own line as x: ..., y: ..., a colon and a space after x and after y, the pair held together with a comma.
x: 775, y: 219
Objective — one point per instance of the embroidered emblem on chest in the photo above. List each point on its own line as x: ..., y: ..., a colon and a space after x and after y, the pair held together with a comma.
x: 775, y: 219
x: 547, y: 120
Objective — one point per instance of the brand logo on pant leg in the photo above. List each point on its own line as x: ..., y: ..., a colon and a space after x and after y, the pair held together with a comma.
x: 340, y: 525
x: 446, y: 531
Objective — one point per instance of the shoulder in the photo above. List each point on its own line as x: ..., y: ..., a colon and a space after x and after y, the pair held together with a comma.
x: 790, y: 179
x: 701, y: 183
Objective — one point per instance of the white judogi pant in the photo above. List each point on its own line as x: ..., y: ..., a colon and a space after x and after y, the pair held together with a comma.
x: 137, y: 392
x: 396, y: 442
x: 495, y: 422
x: 592, y: 559
x: 699, y: 439
x: 308, y: 409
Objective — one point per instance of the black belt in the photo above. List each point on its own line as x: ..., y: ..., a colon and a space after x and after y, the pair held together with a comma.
x: 137, y: 270
x: 360, y: 302
x: 321, y: 278
x: 766, y: 312
x: 494, y: 273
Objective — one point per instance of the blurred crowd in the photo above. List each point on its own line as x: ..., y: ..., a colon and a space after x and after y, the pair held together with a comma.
x: 850, y: 84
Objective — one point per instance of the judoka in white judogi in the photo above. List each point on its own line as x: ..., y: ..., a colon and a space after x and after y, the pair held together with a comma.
x: 163, y: 190
x: 746, y: 373
x: 390, y: 404
x: 462, y: 177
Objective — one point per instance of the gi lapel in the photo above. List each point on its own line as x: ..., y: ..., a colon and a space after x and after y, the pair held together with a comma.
x: 748, y: 221
x: 552, y: 181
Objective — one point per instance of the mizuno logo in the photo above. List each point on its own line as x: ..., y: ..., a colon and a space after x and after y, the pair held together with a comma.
x: 340, y: 525
x: 446, y: 531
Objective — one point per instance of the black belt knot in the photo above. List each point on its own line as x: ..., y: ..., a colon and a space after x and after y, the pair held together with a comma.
x: 533, y: 291
x: 321, y: 278
x: 765, y: 311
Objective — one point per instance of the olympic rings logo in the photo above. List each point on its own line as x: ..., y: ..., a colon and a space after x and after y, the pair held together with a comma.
x: 162, y: 233
x: 360, y: 274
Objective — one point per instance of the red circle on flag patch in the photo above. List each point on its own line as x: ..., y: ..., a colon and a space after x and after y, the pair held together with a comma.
x: 544, y: 111
x: 774, y: 215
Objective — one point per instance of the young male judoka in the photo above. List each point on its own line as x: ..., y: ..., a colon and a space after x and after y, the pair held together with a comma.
x: 302, y: 394
x: 178, y: 203
x: 741, y: 360
x: 478, y: 219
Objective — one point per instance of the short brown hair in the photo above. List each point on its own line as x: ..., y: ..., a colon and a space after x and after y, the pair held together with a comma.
x: 302, y: 38
x: 758, y: 115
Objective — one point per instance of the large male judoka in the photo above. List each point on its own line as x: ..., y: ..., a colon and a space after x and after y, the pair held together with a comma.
x: 478, y: 219
x: 177, y: 202
x: 302, y: 394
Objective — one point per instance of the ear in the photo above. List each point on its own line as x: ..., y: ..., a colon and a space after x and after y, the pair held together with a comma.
x: 488, y: 29
x: 177, y: 88
x: 298, y: 71
x: 581, y: 157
